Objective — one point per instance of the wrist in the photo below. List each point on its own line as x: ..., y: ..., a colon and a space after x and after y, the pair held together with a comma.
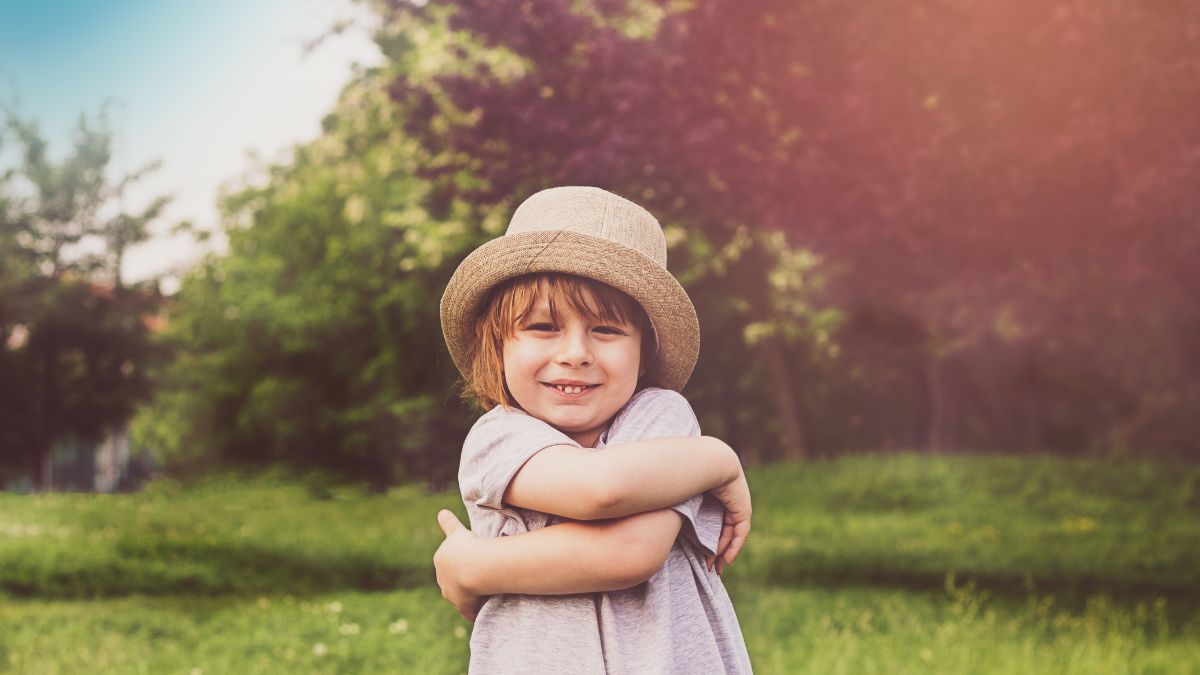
x: 728, y: 460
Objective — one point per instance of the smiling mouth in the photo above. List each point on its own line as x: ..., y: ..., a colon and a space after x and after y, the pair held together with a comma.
x: 571, y: 389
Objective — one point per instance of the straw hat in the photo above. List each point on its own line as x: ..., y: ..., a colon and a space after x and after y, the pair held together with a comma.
x: 590, y: 233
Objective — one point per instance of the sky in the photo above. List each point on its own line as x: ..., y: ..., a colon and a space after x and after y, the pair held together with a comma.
x: 195, y: 84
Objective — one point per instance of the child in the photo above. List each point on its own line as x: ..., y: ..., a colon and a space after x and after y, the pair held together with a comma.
x: 566, y: 327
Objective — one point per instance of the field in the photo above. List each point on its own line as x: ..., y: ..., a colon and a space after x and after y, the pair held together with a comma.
x: 879, y: 564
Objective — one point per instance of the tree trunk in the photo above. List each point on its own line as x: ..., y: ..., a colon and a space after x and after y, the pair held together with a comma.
x: 45, y: 413
x: 935, y: 404
x: 46, y: 483
x: 791, y: 431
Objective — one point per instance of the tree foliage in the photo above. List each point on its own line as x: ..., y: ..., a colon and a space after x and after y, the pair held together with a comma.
x: 74, y: 343
x: 1003, y: 192
x: 315, y: 340
x: 939, y: 225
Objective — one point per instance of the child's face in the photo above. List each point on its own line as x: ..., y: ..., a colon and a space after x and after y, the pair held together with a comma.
x: 602, y: 358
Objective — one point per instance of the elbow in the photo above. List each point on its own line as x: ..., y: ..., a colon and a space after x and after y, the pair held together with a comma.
x: 640, y: 545
x: 600, y: 498
x: 637, y: 567
x: 605, y: 501
x: 591, y: 503
x: 641, y: 558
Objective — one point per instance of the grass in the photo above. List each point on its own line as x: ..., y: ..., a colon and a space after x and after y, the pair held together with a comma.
x: 1009, y: 523
x: 400, y: 631
x: 873, y: 630
x: 849, y: 630
x: 216, y: 538
x: 869, y: 564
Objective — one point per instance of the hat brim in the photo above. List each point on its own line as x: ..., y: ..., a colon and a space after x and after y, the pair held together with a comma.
x: 650, y: 284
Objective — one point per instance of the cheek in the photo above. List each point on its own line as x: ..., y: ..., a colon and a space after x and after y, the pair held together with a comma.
x: 520, y: 357
x: 627, y: 361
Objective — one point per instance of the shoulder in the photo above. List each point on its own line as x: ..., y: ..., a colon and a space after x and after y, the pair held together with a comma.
x: 500, y: 418
x: 490, y: 419
x: 501, y: 427
x: 656, y: 399
x: 654, y: 413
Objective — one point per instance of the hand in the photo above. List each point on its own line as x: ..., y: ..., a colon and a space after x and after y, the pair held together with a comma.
x: 736, y: 526
x: 450, y: 560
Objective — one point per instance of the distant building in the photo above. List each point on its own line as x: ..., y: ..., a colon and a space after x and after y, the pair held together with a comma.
x: 111, y: 461
x: 105, y: 466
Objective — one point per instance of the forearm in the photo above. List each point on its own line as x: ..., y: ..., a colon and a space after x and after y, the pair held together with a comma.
x: 656, y: 473
x: 572, y: 557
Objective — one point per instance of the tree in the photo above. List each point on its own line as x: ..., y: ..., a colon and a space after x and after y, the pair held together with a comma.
x: 75, y: 343
x: 315, y: 341
x: 997, y: 182
x: 931, y: 225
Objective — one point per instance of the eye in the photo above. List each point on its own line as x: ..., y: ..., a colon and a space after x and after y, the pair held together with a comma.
x: 609, y: 330
x: 540, y: 327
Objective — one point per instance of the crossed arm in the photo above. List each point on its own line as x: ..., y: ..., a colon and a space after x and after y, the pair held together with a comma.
x: 618, y: 499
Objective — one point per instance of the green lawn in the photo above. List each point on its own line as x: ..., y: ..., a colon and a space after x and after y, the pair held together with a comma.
x: 873, y: 564
x: 820, y: 631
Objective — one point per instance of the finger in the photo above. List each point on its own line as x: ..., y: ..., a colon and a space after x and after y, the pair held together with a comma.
x: 449, y: 522
x: 736, y: 543
x: 708, y: 562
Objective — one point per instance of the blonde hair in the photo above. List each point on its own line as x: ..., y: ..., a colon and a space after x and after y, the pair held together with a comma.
x: 510, y: 301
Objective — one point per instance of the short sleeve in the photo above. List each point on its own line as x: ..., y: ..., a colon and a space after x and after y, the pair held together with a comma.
x: 495, y: 450
x: 663, y: 413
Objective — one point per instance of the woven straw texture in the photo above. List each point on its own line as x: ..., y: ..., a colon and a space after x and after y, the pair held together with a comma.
x: 587, y: 232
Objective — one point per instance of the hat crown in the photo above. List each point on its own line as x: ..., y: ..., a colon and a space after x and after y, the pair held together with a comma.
x: 593, y: 212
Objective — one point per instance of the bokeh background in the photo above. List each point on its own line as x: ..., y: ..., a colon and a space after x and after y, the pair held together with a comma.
x: 944, y: 254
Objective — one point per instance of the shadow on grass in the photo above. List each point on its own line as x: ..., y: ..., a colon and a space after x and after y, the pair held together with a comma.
x: 187, y: 568
x: 786, y: 572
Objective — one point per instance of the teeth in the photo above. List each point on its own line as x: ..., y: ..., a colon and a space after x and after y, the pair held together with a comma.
x: 569, y: 389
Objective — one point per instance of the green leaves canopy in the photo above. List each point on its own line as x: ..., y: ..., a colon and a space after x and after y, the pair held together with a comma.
x: 315, y: 340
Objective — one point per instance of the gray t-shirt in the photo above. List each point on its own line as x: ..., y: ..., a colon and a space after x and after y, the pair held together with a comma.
x: 679, y: 621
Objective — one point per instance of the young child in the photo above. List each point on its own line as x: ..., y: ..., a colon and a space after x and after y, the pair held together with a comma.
x: 571, y: 330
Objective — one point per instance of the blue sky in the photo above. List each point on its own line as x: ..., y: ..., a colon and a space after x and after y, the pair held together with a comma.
x: 194, y: 83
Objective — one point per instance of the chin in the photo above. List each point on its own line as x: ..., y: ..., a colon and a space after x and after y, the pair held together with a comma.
x: 569, y: 422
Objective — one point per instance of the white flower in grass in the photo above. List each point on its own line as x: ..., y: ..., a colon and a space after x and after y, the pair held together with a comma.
x: 196, y: 671
x: 348, y: 629
x: 335, y: 607
x: 460, y: 632
x: 399, y: 626
x: 320, y: 649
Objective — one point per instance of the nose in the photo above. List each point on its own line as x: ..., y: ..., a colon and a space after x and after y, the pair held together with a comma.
x: 574, y: 349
